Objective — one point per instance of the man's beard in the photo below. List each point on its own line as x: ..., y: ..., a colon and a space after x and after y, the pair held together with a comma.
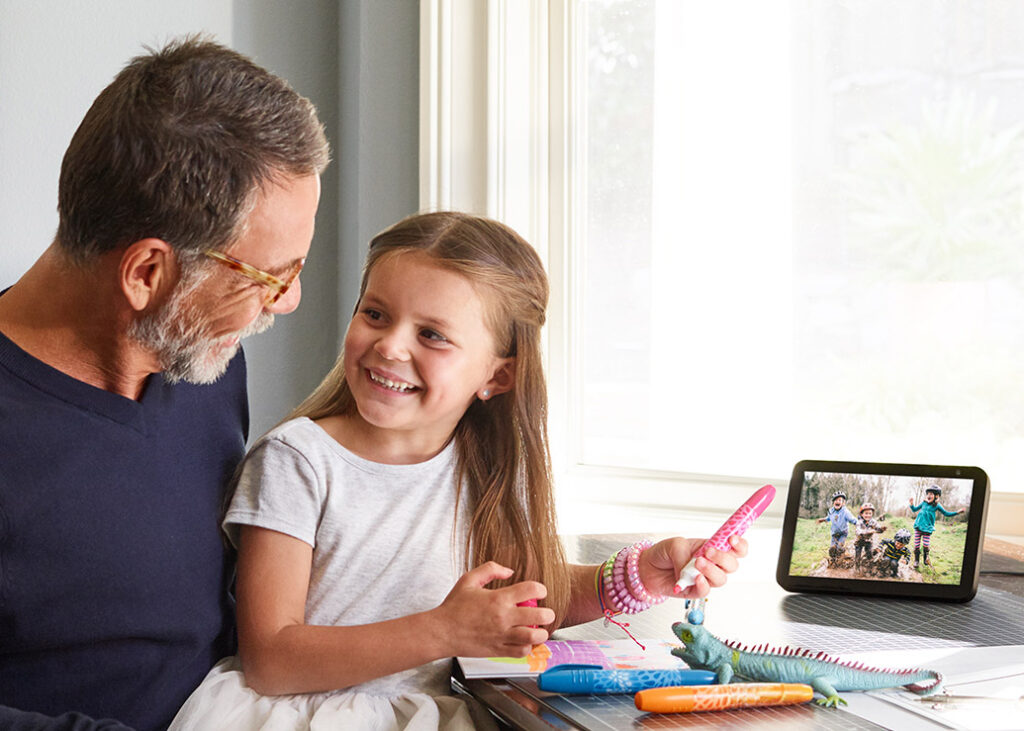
x: 177, y: 334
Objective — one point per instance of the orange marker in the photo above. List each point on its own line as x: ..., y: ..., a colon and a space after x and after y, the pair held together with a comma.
x: 683, y: 699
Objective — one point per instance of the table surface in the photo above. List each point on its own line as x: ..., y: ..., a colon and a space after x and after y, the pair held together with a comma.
x: 753, y: 609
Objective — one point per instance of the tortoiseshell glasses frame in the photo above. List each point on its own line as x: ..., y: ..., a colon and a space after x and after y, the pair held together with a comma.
x: 277, y: 286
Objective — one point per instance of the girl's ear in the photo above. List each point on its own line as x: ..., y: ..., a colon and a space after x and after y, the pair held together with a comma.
x: 502, y: 380
x: 147, y: 270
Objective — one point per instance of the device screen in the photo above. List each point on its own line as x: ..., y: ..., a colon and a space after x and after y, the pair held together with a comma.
x: 879, y: 527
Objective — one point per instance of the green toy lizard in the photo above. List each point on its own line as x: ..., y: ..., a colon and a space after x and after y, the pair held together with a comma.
x: 827, y: 675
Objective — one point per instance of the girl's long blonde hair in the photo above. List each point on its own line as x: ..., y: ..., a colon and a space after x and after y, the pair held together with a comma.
x: 503, y: 458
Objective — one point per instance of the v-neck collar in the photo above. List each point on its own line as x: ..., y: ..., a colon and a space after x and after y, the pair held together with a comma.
x: 61, y: 386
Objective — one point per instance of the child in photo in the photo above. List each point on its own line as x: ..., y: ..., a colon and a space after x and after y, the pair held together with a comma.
x: 404, y: 513
x: 839, y: 518
x: 924, y: 524
x: 895, y: 550
x: 866, y: 528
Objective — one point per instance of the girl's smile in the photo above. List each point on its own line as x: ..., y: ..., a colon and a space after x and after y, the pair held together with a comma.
x: 390, y: 383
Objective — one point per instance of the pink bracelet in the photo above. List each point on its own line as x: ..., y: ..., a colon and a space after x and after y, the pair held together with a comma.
x: 620, y: 590
x: 636, y: 586
x: 603, y: 581
x: 622, y: 582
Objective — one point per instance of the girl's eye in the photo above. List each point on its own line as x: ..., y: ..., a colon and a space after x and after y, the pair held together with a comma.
x: 433, y: 336
x: 372, y: 314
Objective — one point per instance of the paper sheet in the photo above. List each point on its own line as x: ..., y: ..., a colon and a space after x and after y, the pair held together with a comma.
x: 993, y: 673
x: 609, y: 654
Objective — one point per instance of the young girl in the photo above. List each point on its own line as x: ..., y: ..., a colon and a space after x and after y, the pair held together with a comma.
x: 424, y: 452
x: 924, y: 525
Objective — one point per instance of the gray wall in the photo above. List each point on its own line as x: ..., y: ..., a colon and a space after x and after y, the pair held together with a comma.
x: 357, y: 60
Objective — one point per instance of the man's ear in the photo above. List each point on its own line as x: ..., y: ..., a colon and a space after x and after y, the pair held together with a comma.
x: 503, y: 379
x: 148, y: 270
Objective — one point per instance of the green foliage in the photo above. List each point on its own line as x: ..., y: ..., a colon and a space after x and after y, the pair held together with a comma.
x: 810, y: 544
x: 946, y: 554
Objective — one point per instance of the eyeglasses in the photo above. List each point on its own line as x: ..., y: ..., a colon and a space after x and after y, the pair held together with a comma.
x: 277, y: 286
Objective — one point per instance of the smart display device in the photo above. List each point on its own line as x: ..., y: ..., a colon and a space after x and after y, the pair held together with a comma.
x: 884, y: 529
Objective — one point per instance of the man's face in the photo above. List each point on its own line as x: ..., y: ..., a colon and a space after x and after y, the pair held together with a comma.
x: 197, y: 332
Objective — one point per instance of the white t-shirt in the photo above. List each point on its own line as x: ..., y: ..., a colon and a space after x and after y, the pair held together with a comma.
x: 382, y: 535
x: 383, y: 547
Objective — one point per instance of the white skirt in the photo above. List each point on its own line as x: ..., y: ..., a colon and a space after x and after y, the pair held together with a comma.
x: 224, y: 702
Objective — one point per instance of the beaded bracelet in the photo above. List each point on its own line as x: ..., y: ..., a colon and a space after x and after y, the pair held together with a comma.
x: 622, y: 584
x: 636, y: 586
x: 619, y: 578
x: 599, y: 588
x: 620, y: 588
x: 603, y: 574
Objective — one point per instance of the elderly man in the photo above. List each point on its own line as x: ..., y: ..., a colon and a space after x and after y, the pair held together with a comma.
x: 186, y: 207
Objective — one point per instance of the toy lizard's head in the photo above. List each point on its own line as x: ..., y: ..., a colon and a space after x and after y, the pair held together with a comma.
x: 694, y: 651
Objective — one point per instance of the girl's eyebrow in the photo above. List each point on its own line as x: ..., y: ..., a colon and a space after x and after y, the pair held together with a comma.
x: 435, y: 322
x: 369, y: 298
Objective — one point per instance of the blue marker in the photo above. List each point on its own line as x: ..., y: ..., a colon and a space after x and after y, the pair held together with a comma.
x: 595, y: 680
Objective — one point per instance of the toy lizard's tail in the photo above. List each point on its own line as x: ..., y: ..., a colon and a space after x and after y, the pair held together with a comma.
x: 932, y: 684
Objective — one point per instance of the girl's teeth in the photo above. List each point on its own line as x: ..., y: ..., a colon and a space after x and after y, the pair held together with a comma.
x: 388, y: 383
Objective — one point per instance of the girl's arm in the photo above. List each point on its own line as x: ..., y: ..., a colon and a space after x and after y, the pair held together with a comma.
x: 281, y: 654
x: 659, y: 567
x: 948, y: 513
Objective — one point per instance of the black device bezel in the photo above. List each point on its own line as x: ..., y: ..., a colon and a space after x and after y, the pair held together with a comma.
x: 962, y: 592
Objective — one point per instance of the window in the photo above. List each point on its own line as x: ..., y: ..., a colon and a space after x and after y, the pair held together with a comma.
x: 775, y: 230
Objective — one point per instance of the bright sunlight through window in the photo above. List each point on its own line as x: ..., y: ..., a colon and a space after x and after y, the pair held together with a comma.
x: 802, y: 228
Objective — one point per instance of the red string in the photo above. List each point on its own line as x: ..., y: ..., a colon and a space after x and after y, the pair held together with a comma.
x: 608, y: 618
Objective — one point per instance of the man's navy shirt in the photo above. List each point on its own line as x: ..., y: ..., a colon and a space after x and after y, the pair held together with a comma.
x: 113, y: 574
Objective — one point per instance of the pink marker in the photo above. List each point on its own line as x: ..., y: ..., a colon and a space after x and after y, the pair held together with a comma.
x: 528, y: 603
x: 736, y: 525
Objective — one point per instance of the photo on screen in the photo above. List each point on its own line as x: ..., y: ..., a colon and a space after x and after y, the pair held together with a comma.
x: 879, y: 527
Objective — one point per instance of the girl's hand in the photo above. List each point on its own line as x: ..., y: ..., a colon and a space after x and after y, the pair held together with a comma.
x: 661, y: 564
x: 483, y: 622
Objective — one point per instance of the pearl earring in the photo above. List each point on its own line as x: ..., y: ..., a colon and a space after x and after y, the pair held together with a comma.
x: 486, y: 393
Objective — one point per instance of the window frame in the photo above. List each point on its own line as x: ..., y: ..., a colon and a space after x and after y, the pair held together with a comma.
x: 497, y: 102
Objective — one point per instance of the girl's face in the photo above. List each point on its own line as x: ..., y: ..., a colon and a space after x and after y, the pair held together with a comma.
x: 417, y: 352
x: 930, y: 497
x: 868, y: 514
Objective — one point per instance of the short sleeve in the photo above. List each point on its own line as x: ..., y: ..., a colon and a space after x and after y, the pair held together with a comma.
x: 278, y: 489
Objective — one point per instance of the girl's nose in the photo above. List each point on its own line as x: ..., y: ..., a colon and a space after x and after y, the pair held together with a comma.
x: 391, y: 345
